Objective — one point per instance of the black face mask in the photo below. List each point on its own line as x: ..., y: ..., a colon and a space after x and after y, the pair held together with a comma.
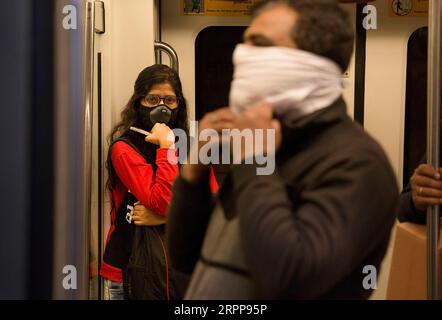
x: 159, y: 114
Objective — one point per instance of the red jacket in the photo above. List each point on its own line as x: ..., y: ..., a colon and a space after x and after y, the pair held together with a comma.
x: 154, y: 191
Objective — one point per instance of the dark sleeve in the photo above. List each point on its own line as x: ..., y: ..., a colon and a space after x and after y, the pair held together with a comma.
x: 189, y: 215
x: 304, y: 249
x: 406, y: 209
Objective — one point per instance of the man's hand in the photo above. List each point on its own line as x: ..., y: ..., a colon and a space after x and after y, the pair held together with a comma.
x: 216, y: 120
x: 145, y: 217
x: 426, y: 187
x: 259, y: 117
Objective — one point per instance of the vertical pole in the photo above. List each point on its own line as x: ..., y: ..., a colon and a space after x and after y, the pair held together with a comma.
x: 433, y: 142
x: 84, y: 277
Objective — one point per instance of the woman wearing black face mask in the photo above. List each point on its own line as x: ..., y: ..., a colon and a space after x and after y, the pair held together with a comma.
x: 140, y: 171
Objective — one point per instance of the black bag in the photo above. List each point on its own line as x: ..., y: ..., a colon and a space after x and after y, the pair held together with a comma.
x: 148, y: 275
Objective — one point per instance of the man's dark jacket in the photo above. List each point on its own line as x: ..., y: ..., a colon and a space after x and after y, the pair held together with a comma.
x: 311, y: 230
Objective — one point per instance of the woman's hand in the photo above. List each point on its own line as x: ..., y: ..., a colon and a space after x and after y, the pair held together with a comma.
x: 162, y: 136
x: 145, y: 217
x: 426, y: 187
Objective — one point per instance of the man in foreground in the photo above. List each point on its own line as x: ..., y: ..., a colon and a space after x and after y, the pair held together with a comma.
x: 309, y: 229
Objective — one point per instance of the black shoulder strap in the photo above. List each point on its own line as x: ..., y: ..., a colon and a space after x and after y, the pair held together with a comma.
x: 126, y: 140
x: 138, y: 150
x: 112, y: 173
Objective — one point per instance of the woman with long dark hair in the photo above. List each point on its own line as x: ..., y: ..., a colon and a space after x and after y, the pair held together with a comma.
x: 140, y: 170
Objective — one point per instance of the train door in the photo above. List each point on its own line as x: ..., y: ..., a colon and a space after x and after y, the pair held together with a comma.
x: 388, y: 48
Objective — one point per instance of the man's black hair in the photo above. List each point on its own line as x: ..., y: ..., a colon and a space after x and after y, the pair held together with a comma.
x: 322, y: 27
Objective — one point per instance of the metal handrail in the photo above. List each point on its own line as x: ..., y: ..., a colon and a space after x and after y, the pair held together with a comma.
x: 173, y: 56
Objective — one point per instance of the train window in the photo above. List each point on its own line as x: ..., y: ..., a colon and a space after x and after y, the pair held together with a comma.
x: 214, y: 47
x: 416, y: 102
x: 213, y: 67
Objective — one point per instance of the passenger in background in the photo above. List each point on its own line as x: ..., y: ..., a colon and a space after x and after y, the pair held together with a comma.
x: 423, y: 190
x: 140, y: 172
x: 425, y: 186
x: 310, y: 229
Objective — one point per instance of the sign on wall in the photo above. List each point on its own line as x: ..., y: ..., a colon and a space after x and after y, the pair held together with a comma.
x: 409, y: 8
x: 217, y: 7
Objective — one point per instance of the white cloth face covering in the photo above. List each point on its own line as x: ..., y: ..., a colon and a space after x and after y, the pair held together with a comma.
x: 288, y: 79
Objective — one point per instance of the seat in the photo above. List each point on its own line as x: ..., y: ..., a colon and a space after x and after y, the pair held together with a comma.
x: 408, y: 273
